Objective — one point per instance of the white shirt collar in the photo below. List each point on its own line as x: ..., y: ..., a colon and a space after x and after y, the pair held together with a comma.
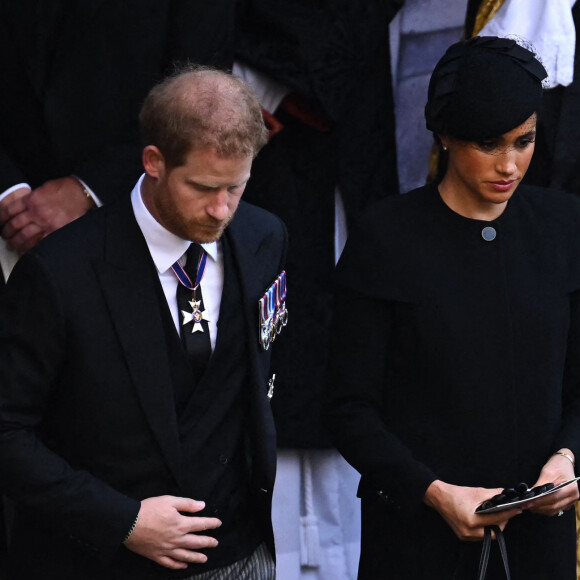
x: 165, y: 248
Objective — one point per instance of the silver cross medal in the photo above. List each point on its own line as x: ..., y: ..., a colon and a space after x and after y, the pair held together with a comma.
x: 196, y: 316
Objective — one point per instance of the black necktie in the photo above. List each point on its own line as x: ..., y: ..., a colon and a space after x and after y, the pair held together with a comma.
x: 197, y: 344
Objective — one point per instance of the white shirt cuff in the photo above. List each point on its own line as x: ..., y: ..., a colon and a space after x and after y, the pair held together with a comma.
x: 12, y: 189
x: 97, y: 201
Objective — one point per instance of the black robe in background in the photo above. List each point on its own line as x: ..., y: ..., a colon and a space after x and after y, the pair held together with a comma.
x: 76, y: 72
x: 470, y: 15
x: 334, y: 56
x: 457, y: 359
x: 556, y: 162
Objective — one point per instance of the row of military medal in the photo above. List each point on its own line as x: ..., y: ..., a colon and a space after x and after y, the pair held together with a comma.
x: 273, y: 312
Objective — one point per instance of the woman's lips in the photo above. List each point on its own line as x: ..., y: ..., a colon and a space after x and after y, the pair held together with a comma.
x: 502, y: 185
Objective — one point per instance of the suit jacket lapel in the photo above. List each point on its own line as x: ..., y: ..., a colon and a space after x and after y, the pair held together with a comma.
x: 130, y: 286
x: 251, y: 257
x: 249, y: 248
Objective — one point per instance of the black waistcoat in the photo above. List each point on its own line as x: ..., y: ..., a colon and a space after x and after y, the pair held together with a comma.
x: 213, y: 431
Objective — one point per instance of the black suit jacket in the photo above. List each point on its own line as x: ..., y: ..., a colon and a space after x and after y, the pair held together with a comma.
x: 75, y: 73
x: 87, y: 417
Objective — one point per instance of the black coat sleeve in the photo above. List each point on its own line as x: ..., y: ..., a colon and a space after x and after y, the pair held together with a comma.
x: 356, y: 396
x: 33, y: 344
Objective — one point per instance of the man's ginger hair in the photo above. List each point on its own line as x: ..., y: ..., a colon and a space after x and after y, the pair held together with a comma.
x: 200, y: 108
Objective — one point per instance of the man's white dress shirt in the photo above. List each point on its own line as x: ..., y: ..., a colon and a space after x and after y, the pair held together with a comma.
x: 166, y: 249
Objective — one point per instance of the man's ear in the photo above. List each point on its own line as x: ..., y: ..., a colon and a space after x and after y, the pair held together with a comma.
x: 153, y: 162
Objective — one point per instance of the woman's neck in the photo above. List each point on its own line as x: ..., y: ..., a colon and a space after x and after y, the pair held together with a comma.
x: 467, y: 204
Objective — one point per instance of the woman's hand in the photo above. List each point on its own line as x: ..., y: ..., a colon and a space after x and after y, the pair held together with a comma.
x: 557, y: 469
x: 456, y: 505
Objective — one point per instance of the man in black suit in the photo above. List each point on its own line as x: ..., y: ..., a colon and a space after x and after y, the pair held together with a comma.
x: 74, y: 75
x: 126, y: 455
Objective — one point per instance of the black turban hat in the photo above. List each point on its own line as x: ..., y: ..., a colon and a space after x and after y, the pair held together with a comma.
x: 482, y: 88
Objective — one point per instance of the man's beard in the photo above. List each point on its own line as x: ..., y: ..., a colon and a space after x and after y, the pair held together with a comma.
x: 193, y: 231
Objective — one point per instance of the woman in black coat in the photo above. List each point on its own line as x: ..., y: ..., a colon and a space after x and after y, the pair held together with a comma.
x: 455, y: 369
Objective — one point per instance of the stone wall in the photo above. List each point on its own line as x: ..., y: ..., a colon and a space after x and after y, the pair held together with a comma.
x: 420, y: 34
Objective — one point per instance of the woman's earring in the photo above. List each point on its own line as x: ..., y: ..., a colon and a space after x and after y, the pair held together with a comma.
x: 444, y: 147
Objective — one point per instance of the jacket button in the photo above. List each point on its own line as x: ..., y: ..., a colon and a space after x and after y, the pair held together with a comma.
x: 488, y: 234
x: 224, y: 460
